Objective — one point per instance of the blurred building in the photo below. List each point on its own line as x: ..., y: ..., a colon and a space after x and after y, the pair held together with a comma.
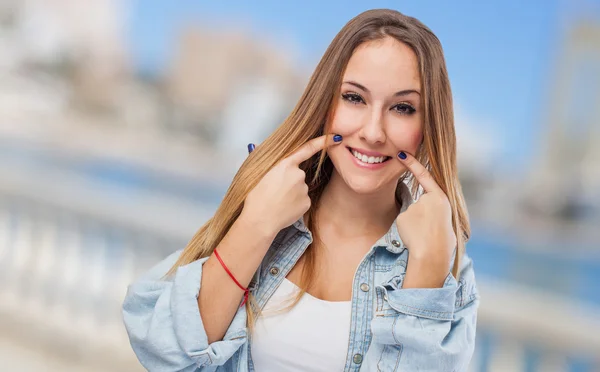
x: 557, y: 196
x: 565, y: 180
x: 216, y: 73
x: 84, y: 41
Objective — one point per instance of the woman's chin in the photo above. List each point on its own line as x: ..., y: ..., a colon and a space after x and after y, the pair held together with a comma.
x: 364, y: 187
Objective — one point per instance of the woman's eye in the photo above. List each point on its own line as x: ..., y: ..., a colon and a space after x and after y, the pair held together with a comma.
x: 404, y: 109
x: 353, y: 98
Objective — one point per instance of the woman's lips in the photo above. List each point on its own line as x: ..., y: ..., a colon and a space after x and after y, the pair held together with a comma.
x: 363, y: 165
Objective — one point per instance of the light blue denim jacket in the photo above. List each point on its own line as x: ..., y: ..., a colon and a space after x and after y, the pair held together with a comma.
x: 392, y: 329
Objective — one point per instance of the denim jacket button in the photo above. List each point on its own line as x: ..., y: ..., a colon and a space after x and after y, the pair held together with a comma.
x: 395, y: 243
x: 364, y: 287
x: 274, y: 271
x: 357, y: 358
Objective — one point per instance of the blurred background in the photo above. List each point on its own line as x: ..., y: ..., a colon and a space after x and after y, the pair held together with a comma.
x: 123, y: 121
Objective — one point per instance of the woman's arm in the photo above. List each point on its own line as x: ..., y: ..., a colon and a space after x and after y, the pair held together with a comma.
x: 277, y: 201
x: 220, y: 297
x: 437, y: 314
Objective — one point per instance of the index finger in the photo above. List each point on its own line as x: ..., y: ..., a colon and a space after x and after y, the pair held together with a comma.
x: 313, y: 146
x: 421, y: 173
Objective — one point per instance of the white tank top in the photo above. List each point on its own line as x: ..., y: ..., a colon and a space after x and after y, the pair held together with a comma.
x: 312, y: 336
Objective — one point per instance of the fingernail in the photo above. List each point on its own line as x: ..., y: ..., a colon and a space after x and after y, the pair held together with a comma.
x: 402, y: 155
x: 337, y: 138
x: 251, y: 147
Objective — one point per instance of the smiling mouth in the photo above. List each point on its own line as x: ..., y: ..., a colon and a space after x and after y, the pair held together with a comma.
x: 368, y: 159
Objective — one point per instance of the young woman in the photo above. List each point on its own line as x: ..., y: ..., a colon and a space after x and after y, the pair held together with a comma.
x: 318, y: 259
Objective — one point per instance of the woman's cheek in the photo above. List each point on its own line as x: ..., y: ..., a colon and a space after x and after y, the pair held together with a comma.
x: 407, y: 139
x: 345, y: 121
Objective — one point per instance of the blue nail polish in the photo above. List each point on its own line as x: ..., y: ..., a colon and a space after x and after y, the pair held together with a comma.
x: 402, y: 155
x: 337, y: 138
x: 251, y: 147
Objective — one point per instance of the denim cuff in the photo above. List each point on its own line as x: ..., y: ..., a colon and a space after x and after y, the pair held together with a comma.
x: 188, y: 324
x: 433, y: 303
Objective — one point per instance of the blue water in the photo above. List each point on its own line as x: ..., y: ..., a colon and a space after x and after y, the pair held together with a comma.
x: 501, y: 257
x: 129, y: 177
x: 485, y: 346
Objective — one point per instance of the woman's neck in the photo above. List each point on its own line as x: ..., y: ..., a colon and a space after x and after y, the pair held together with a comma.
x: 354, y: 214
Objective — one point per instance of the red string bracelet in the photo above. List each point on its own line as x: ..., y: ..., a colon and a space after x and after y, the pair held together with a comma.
x: 246, y: 290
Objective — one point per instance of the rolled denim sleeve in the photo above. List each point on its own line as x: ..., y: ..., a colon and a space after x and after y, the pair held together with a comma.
x: 436, y: 326
x: 164, y: 326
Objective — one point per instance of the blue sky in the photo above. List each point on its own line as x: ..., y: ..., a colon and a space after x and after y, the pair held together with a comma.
x: 500, y: 54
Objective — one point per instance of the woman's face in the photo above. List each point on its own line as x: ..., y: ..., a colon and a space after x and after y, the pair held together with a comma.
x: 378, y: 114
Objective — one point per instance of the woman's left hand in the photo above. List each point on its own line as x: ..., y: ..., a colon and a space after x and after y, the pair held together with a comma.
x: 426, y: 230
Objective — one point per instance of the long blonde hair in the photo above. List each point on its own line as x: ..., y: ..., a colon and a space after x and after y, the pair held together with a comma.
x: 310, y: 119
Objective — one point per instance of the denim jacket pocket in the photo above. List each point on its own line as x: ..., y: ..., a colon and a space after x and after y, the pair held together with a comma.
x: 387, y: 350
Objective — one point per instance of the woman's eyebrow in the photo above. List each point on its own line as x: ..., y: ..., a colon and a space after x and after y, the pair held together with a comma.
x: 404, y: 92
x: 359, y: 86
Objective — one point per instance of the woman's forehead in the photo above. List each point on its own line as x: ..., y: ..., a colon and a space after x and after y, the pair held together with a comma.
x: 385, y: 64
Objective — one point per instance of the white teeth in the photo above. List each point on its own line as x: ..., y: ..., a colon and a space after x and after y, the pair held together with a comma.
x: 368, y: 159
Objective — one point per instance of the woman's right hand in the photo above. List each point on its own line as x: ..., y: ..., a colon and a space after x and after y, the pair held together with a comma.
x: 281, y: 197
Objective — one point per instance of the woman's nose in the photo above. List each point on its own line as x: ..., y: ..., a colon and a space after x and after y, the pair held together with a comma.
x: 373, y: 130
